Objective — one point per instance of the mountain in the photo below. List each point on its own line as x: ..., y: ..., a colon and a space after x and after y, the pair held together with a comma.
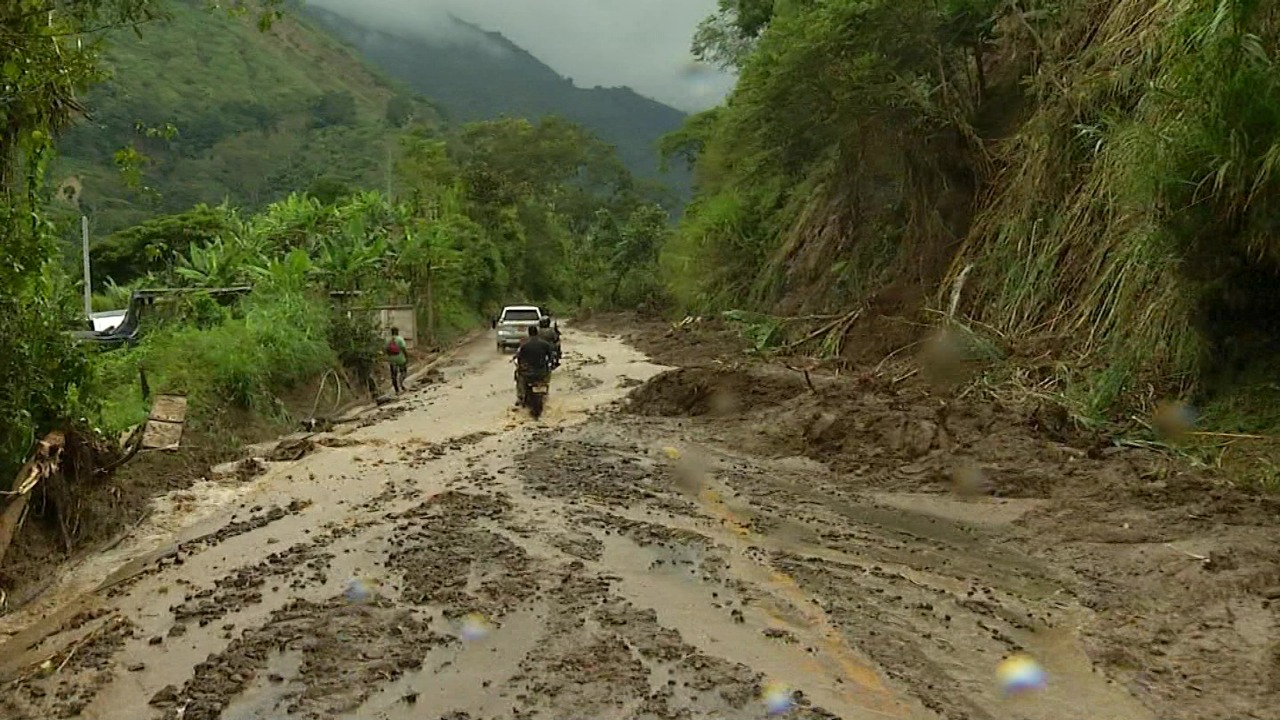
x: 474, y: 74
x: 256, y: 115
x: 221, y: 111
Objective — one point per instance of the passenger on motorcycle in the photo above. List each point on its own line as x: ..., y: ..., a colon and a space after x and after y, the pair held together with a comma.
x: 533, y: 362
x: 551, y: 334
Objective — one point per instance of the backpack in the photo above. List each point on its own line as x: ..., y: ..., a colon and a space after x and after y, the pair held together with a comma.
x: 393, y: 347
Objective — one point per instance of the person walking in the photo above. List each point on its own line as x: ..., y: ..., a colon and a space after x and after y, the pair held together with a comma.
x: 397, y: 359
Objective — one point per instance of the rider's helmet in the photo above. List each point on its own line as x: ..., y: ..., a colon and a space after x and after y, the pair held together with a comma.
x: 545, y: 322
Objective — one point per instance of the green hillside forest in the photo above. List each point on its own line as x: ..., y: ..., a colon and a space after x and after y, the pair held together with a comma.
x: 223, y: 111
x: 481, y: 75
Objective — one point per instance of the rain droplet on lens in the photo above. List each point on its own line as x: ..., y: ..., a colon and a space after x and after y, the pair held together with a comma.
x: 1020, y: 674
x: 474, y: 627
x: 777, y: 697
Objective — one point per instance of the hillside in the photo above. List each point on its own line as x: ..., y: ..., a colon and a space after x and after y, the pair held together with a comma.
x: 476, y: 74
x: 257, y: 115
x: 1089, y: 185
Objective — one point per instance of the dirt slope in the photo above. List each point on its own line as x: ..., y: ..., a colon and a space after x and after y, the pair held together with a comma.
x: 670, y: 557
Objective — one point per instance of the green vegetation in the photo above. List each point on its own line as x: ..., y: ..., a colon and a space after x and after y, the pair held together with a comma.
x: 1084, y: 190
x: 1164, y: 260
x: 40, y: 74
x: 222, y: 359
x: 500, y: 209
x: 1094, y: 179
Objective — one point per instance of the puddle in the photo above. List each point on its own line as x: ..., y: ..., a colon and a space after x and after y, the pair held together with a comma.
x: 980, y: 511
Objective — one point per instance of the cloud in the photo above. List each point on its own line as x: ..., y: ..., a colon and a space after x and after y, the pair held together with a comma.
x: 643, y: 44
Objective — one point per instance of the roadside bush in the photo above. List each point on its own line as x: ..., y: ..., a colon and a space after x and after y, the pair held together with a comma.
x: 357, y: 344
x: 278, y: 341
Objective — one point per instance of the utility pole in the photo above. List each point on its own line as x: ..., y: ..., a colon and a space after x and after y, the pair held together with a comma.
x: 88, y: 289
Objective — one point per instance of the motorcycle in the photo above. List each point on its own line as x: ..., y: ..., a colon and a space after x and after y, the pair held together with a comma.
x: 532, y: 391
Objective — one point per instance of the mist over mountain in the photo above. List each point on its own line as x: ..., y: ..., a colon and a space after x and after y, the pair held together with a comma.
x: 474, y: 74
x: 608, y: 43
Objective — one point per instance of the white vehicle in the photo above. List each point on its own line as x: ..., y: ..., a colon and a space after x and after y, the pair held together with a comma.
x: 110, y: 320
x: 514, y: 323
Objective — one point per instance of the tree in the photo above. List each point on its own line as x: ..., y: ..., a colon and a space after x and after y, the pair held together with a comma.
x: 328, y: 190
x: 628, y: 250
x: 217, y: 264
x: 728, y: 37
x: 155, y: 244
x: 334, y: 108
x: 400, y: 111
x: 42, y: 71
x: 687, y: 143
x: 350, y: 258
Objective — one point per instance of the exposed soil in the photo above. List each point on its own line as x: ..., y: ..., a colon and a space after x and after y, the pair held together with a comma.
x: 1175, y: 565
x: 730, y: 540
x: 700, y: 341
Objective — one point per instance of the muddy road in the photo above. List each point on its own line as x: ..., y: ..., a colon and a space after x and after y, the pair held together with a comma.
x: 448, y: 557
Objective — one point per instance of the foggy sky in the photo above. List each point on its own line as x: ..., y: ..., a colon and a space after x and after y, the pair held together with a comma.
x: 643, y: 44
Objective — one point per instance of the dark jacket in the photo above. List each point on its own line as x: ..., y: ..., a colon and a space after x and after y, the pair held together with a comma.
x: 534, y: 356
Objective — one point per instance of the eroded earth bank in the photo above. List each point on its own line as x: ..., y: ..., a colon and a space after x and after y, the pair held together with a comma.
x: 670, y: 543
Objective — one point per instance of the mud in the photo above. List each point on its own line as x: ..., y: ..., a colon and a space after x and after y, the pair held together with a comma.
x: 872, y: 546
x: 698, y: 342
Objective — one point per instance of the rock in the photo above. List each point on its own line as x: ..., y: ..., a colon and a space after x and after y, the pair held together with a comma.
x: 820, y: 427
x: 918, y: 437
x: 168, y: 695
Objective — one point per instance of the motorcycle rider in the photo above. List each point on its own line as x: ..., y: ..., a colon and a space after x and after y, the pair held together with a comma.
x: 551, y: 334
x: 533, y: 362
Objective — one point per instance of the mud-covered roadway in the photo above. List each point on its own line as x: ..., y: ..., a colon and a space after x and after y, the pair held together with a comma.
x: 451, y: 558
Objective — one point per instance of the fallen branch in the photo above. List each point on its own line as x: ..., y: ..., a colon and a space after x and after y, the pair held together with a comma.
x: 887, y: 358
x: 846, y: 319
x: 1236, y: 436
x: 1191, y: 555
x: 131, y: 446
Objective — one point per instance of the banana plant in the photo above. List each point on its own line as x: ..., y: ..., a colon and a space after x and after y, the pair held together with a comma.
x: 289, y: 273
x: 210, y: 265
x: 291, y: 222
x: 347, y: 260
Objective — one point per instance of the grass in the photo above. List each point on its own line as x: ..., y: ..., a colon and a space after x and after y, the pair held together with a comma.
x: 1136, y: 184
x: 239, y: 360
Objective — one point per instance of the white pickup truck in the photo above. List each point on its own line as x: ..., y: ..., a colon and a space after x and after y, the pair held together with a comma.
x: 514, y: 322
